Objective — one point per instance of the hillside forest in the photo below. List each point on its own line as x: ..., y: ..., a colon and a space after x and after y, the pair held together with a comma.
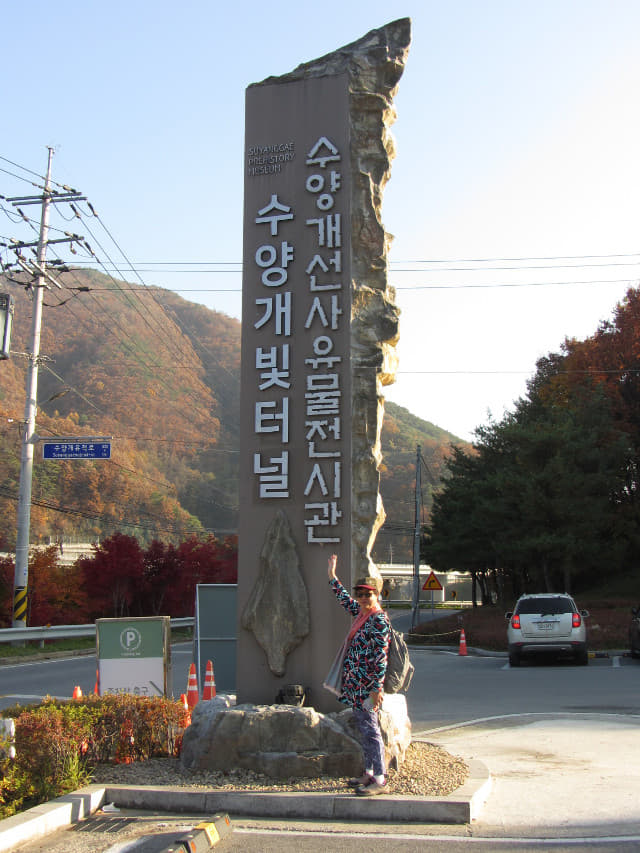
x: 547, y: 499
x: 161, y: 375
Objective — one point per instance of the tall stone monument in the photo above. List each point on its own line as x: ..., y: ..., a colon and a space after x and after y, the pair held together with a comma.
x: 319, y: 329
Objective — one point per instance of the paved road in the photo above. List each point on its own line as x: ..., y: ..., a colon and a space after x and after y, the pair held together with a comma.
x: 562, y: 743
x: 31, y: 681
x: 269, y: 836
x: 450, y: 689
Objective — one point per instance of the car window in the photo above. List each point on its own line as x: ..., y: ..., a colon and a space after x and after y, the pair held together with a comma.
x: 551, y: 605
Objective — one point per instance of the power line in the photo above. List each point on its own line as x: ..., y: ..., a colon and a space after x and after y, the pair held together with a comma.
x: 497, y: 285
x: 35, y: 174
x: 157, y: 330
x: 134, y: 352
x: 47, y: 196
x: 161, y: 331
x: 428, y: 262
x: 414, y: 287
x: 108, y: 519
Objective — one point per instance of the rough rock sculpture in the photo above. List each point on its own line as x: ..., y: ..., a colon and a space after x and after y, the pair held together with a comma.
x: 374, y: 64
x: 277, y: 611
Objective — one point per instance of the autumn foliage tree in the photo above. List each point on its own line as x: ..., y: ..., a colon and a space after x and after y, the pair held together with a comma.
x: 7, y: 570
x: 112, y: 576
x: 548, y: 500
x: 123, y: 579
x: 120, y: 579
x: 201, y: 561
x: 170, y: 574
x: 57, y: 595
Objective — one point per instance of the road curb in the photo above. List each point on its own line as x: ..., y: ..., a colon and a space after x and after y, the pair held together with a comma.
x: 48, y: 817
x: 461, y: 806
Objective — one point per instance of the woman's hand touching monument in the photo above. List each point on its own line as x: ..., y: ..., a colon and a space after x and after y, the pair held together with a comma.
x: 333, y: 562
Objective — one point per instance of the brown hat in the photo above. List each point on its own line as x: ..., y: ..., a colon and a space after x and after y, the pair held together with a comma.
x: 369, y: 582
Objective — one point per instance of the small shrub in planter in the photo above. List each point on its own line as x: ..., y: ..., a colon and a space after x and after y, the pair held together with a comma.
x: 59, y: 742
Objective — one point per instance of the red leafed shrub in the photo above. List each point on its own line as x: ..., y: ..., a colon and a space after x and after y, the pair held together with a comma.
x: 48, y: 750
x: 59, y: 742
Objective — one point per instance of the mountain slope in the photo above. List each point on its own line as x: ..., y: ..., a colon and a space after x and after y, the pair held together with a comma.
x: 161, y: 375
x: 402, y: 433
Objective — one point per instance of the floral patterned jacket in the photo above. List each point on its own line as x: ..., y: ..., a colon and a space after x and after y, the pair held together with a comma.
x: 365, y: 663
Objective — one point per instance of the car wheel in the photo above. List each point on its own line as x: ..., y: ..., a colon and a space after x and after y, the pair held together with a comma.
x: 582, y: 657
x: 514, y: 659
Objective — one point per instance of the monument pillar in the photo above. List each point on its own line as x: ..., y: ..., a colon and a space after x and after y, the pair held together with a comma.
x: 319, y: 329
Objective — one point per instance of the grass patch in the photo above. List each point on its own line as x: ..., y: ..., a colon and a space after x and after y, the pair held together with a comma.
x: 32, y: 648
x: 35, y: 647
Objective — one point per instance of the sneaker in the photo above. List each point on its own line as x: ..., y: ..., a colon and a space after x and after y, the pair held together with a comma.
x: 360, y: 780
x: 372, y: 789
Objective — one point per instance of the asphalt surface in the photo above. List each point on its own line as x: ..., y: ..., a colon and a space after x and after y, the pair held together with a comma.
x: 556, y: 781
x: 559, y: 781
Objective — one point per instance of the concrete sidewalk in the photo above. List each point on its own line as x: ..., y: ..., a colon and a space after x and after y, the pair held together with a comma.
x: 571, y: 775
x: 462, y: 806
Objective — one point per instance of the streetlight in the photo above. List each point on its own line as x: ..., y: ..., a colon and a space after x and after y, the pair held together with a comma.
x: 6, y: 318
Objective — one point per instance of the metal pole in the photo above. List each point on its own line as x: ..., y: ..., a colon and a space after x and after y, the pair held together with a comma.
x: 21, y: 578
x: 416, y: 545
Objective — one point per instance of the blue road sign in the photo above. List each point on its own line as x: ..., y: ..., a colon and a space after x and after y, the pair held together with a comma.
x: 76, y: 449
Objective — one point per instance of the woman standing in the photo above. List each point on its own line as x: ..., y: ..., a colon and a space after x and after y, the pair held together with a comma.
x: 363, y: 672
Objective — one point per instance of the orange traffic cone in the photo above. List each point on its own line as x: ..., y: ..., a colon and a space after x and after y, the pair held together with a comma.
x: 77, y: 693
x: 209, y: 683
x: 463, y: 643
x: 185, y: 705
x: 192, y: 688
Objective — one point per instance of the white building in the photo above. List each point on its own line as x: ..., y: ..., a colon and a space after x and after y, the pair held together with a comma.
x: 398, y: 584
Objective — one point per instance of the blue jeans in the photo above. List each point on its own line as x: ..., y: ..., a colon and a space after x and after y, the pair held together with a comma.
x: 372, y: 745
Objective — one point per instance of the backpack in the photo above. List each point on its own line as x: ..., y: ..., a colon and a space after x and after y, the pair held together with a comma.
x: 399, y: 668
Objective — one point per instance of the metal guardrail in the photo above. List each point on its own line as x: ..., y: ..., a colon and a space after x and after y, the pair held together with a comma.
x: 64, y: 632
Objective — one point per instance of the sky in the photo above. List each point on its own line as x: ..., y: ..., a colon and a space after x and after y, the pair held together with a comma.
x: 513, y: 197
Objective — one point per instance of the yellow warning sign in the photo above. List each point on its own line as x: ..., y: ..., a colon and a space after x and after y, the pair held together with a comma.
x: 432, y: 583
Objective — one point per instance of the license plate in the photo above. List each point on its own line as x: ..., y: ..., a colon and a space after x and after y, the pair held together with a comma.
x: 545, y: 626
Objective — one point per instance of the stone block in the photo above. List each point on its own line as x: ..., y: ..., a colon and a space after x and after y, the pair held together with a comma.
x: 284, y: 741
x: 395, y: 726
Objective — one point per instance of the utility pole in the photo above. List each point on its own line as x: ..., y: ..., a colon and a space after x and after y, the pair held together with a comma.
x: 416, y: 543
x: 29, y: 437
x: 21, y: 578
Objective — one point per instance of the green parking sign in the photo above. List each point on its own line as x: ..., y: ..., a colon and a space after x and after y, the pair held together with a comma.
x: 134, y: 655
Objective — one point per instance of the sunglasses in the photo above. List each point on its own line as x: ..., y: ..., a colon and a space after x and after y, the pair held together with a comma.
x: 363, y: 593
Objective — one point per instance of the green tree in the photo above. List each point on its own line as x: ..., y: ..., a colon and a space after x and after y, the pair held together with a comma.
x: 540, y: 504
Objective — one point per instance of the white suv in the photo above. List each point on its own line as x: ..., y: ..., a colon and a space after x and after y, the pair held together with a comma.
x: 547, y: 622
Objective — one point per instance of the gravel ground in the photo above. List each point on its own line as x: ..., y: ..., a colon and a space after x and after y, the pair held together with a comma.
x: 428, y: 770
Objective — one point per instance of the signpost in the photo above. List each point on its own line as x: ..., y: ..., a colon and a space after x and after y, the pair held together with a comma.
x: 76, y: 447
x: 432, y: 584
x: 134, y: 655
